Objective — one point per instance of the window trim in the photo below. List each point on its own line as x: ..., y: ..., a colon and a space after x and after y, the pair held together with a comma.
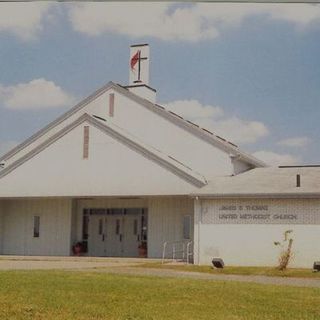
x: 184, y: 231
x: 36, y: 226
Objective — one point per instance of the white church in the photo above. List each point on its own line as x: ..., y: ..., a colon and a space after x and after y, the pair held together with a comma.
x: 118, y: 175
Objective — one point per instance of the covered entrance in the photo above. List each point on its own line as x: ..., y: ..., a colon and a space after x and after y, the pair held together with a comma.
x: 116, y: 232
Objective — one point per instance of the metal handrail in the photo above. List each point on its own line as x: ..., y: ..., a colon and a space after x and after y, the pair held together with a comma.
x: 186, y: 252
x: 189, y: 253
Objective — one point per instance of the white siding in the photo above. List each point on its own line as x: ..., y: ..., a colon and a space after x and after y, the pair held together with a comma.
x: 74, y: 222
x: 152, y: 129
x: 240, y: 166
x: 112, y: 169
x: 55, y: 227
x: 1, y: 224
x: 165, y: 217
x: 166, y: 222
x: 170, y: 138
x: 244, y: 243
x: 99, y: 106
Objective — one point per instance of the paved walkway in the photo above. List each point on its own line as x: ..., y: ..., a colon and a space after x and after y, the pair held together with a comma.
x: 130, y: 266
x: 70, y: 263
x: 295, y: 282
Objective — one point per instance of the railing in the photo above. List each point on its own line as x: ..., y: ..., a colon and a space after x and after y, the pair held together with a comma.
x: 180, y: 250
x: 189, y: 251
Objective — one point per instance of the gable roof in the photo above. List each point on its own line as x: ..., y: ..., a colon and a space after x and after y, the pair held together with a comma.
x: 265, y: 182
x: 194, y: 129
x: 167, y: 162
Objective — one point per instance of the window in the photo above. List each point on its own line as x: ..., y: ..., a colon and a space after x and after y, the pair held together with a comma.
x: 36, y: 226
x: 111, y: 104
x: 105, y: 227
x: 100, y: 226
x: 135, y: 227
x: 85, y: 227
x: 187, y: 227
x: 118, y: 226
x: 85, y: 142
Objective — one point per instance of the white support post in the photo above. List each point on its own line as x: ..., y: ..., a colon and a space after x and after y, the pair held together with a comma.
x: 197, y: 231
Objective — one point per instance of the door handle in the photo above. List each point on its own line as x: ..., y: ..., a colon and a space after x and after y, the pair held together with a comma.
x: 103, y: 237
x: 120, y: 237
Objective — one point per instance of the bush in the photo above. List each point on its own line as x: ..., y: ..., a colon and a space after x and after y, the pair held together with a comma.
x: 286, y: 254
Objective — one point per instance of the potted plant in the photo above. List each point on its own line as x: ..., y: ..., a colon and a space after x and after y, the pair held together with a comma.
x: 77, y: 249
x: 143, y: 250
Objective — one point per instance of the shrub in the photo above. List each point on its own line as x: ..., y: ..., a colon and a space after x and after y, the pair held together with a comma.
x: 286, y: 254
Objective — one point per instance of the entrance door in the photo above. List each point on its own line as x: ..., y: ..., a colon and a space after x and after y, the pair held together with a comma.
x: 97, y: 227
x: 116, y: 232
x: 131, y: 232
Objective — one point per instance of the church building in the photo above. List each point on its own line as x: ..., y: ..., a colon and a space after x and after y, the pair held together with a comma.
x: 118, y: 175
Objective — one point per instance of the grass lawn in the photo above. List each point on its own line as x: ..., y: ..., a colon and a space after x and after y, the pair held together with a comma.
x: 261, y: 271
x: 91, y: 295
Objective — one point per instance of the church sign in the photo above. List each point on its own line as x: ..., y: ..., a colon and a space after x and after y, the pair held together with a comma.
x: 256, y: 215
x: 253, y: 212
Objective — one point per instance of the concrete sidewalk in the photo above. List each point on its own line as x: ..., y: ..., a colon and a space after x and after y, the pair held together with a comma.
x: 282, y: 281
x: 74, y: 263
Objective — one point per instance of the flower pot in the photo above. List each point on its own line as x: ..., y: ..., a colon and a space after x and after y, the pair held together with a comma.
x: 142, y: 251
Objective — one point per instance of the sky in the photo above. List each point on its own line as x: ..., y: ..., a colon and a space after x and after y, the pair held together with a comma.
x: 248, y: 72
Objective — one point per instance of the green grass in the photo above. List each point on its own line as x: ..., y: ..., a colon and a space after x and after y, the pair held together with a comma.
x: 261, y: 271
x: 91, y: 295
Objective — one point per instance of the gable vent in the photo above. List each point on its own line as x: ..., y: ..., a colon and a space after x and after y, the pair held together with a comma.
x: 111, y: 104
x: 85, y: 142
x: 298, y: 180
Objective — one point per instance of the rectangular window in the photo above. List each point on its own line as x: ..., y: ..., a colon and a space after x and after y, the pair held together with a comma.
x: 85, y: 227
x: 85, y: 142
x: 135, y: 227
x: 111, y: 105
x: 36, y: 226
x: 118, y: 226
x: 105, y: 226
x: 187, y: 227
x: 100, y: 226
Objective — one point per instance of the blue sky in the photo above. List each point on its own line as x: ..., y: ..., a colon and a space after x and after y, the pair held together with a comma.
x: 249, y: 72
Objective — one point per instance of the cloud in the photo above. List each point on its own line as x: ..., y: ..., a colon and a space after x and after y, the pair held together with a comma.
x: 167, y: 21
x: 295, y: 142
x: 25, y: 20
x: 36, y: 94
x: 161, y: 20
x: 241, y: 131
x: 194, y: 109
x: 276, y: 159
x: 139, y: 20
x: 213, y: 118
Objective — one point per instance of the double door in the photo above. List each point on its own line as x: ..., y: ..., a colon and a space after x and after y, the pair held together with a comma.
x: 116, y: 232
